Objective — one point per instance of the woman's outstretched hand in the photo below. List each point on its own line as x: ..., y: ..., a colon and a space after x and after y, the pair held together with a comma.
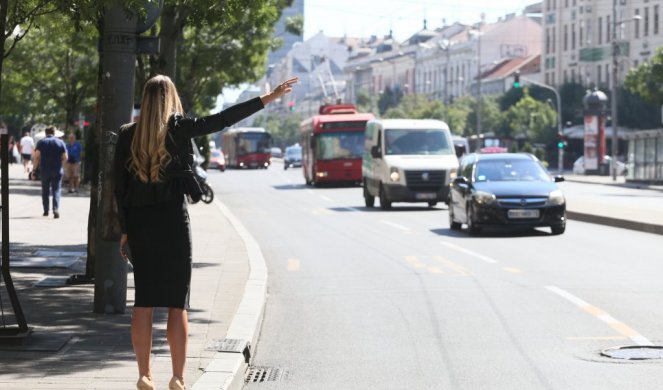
x: 280, y: 90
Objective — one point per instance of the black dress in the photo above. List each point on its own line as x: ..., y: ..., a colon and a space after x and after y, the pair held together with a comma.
x: 154, y: 215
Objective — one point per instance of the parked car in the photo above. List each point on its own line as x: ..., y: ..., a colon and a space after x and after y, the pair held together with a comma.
x: 292, y: 157
x: 500, y: 190
x: 217, y: 160
x: 276, y: 152
x: 579, y: 166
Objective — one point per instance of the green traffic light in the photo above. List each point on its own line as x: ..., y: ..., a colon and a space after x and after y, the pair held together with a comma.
x: 560, y: 145
x: 516, y: 84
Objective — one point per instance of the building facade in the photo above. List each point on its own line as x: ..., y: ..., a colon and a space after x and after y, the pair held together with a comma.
x: 578, y: 37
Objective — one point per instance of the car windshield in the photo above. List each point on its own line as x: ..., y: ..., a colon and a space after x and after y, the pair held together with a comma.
x: 509, y: 170
x: 295, y: 152
x: 416, y: 142
x: 216, y: 153
x: 332, y: 146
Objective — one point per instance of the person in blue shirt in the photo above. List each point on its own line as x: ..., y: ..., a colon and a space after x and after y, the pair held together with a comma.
x: 72, y: 169
x: 49, y: 156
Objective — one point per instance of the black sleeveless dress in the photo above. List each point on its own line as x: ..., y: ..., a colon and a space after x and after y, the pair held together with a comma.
x: 155, y: 217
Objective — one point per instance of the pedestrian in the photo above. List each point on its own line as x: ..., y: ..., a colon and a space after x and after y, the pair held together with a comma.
x: 11, y: 145
x: 49, y: 156
x: 27, y: 146
x: 153, y: 213
x: 73, y: 166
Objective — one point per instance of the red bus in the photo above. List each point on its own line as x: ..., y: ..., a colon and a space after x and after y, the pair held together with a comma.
x: 332, y: 144
x: 247, y: 147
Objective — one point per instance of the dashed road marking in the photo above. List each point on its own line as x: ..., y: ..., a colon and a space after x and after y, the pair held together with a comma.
x: 469, y: 252
x: 452, y: 266
x: 397, y: 226
x: 414, y: 262
x: 599, y: 313
x: 513, y: 270
x: 326, y: 198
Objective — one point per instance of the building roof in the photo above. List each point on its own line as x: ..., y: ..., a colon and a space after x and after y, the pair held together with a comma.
x: 526, y: 65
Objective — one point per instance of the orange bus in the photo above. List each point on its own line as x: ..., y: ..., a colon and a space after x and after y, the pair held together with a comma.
x: 332, y: 144
x: 247, y: 147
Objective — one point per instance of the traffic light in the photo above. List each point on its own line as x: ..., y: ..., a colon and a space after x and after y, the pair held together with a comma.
x: 516, y: 80
x: 291, y: 105
x: 561, y: 141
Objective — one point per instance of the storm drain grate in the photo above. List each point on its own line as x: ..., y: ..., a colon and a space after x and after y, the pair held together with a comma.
x: 265, y: 374
x: 635, y: 352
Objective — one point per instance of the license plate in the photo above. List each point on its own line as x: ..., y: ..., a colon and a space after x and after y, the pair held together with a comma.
x: 522, y: 214
x: 426, y: 195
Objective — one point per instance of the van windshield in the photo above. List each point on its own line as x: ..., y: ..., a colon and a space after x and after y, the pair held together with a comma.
x: 411, y: 142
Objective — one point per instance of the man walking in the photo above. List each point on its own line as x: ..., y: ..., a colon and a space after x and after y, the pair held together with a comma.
x: 27, y: 147
x: 49, y: 156
x: 73, y: 166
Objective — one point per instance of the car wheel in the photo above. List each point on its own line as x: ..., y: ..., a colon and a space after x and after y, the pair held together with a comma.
x: 369, y: 200
x: 471, y: 227
x: 453, y: 225
x: 385, y: 204
x: 285, y: 166
x: 432, y: 204
x: 557, y: 230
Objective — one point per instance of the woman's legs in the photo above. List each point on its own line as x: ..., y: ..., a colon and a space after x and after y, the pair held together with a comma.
x: 177, y: 333
x: 141, y: 338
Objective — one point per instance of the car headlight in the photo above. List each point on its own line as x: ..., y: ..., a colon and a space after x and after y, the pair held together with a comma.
x: 394, y: 175
x: 482, y: 197
x: 556, y: 198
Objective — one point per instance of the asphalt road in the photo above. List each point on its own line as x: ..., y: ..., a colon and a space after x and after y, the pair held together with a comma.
x: 367, y: 299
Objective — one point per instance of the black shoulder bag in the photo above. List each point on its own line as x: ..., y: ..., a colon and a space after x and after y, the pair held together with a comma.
x: 182, y: 172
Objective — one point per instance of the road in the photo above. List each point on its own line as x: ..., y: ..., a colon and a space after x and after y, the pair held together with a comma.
x: 370, y: 299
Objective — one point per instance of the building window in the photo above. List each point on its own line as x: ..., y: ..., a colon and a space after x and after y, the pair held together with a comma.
x: 552, y: 78
x: 600, y: 36
x: 607, y: 29
x: 607, y: 74
x: 554, y: 39
x: 645, y: 31
x: 566, y: 76
x: 566, y: 37
x: 566, y: 3
x: 637, y: 24
x: 548, y: 78
x: 598, y: 75
x: 573, y: 75
x: 574, y: 3
x: 547, y: 41
x: 580, y: 31
x: 573, y: 36
x: 554, y: 5
x: 655, y: 19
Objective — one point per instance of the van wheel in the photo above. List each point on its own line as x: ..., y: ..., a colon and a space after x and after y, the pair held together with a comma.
x: 432, y: 204
x: 385, y: 204
x: 369, y: 200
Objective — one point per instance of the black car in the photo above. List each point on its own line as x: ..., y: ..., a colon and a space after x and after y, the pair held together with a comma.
x: 505, y: 189
x: 292, y: 157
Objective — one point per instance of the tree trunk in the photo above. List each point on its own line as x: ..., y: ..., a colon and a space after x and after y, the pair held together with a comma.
x: 3, y: 27
x: 171, y: 31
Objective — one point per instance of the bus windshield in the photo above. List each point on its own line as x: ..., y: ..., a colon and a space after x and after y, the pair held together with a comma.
x: 253, y: 143
x: 332, y: 146
x: 409, y: 142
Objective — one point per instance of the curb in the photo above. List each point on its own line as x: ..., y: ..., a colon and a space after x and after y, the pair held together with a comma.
x: 615, y: 222
x: 226, y: 370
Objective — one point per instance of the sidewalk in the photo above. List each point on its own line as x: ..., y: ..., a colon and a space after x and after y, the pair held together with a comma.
x: 627, y: 205
x: 73, y: 348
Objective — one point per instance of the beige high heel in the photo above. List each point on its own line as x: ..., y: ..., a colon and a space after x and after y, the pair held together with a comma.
x: 176, y: 384
x: 145, y: 383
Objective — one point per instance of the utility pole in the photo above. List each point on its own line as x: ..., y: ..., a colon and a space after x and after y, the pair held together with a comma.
x: 479, y: 90
x: 613, y: 92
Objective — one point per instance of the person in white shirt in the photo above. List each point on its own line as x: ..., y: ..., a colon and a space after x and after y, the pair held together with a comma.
x: 27, y: 147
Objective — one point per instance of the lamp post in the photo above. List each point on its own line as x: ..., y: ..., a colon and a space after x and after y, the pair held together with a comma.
x: 613, y: 92
x: 477, y: 33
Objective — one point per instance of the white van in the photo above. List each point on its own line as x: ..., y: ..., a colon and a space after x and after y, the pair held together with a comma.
x: 407, y: 160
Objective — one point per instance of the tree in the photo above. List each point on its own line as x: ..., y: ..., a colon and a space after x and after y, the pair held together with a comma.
x: 572, y: 95
x: 458, y: 114
x: 366, y: 102
x: 52, y: 76
x: 634, y: 112
x: 283, y: 128
x: 531, y: 119
x: 390, y: 98
x: 646, y: 80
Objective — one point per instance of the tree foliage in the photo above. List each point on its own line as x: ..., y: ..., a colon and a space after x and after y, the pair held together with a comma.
x: 531, y: 119
x: 646, y: 80
x: 284, y: 128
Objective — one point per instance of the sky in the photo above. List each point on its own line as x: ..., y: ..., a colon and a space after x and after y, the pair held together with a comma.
x: 363, y: 18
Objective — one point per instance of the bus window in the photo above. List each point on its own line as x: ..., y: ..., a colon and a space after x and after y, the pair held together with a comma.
x: 332, y: 146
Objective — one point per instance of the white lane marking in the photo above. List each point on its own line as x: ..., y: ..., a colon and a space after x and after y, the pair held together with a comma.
x: 397, y: 226
x: 615, y: 324
x: 328, y: 199
x: 469, y: 252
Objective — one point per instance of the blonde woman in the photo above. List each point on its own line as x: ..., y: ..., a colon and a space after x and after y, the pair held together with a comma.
x: 153, y: 213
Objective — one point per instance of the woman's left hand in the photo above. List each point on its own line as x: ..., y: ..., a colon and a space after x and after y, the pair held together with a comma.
x: 124, y: 241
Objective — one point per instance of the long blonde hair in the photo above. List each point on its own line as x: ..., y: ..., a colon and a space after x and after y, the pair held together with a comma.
x: 148, y: 149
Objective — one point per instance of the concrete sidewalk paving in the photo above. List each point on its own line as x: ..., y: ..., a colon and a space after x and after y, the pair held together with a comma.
x: 73, y: 348
x: 627, y: 205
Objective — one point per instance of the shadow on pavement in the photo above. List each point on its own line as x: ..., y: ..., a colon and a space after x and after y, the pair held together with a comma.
x: 492, y: 233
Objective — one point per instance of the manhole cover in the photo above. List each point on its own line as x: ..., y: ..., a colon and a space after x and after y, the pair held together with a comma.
x: 636, y: 352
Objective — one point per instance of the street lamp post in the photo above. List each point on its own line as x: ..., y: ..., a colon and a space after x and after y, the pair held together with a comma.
x: 613, y: 92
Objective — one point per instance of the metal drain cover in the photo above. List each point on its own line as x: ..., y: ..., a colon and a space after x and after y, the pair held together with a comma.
x: 635, y: 352
x: 265, y: 374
